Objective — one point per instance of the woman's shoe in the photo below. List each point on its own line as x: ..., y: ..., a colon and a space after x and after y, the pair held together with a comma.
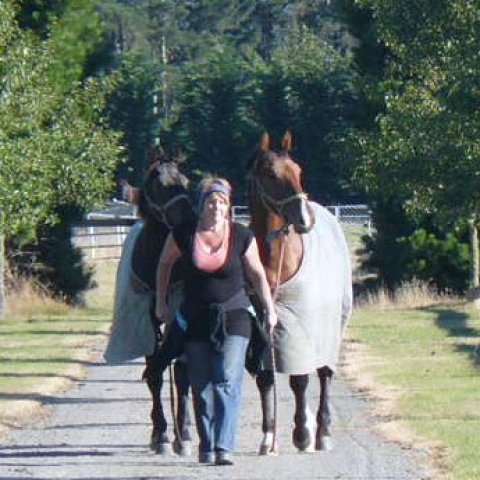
x: 223, y: 458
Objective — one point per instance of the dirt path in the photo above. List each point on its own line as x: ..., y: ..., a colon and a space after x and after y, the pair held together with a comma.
x: 99, y: 430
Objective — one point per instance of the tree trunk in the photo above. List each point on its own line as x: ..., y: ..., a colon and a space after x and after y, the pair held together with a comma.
x: 475, y: 274
x: 473, y: 295
x: 2, y: 276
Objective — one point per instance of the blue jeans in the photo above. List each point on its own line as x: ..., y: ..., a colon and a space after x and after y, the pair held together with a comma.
x: 216, y: 379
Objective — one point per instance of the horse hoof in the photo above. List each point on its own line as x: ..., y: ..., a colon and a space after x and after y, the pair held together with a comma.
x: 267, y: 447
x: 182, y: 448
x: 301, y: 438
x: 324, y: 442
x: 164, y: 449
x: 268, y: 450
x: 160, y: 443
x: 303, y: 435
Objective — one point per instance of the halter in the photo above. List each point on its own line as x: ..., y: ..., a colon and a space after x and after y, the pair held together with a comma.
x: 160, y: 212
x: 274, y: 205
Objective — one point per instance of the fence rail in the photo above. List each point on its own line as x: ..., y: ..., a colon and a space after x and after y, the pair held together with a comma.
x: 102, y: 240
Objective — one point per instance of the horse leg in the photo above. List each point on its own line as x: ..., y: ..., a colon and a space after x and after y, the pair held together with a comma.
x: 303, y: 432
x: 265, y: 380
x: 324, y: 418
x: 182, y: 387
x: 159, y: 441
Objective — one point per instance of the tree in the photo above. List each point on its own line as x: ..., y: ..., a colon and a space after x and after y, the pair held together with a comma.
x: 133, y: 112
x: 55, y: 148
x: 215, y: 123
x: 427, y: 146
x: 227, y: 101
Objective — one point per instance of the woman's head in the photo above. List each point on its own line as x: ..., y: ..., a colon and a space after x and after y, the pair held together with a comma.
x: 214, y: 191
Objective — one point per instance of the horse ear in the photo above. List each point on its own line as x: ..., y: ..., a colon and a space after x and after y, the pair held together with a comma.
x: 179, y: 156
x: 265, y: 142
x: 287, y: 141
x: 156, y: 154
x: 129, y: 194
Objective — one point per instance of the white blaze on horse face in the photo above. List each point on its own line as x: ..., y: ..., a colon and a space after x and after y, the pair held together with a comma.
x: 301, y: 214
x: 306, y: 214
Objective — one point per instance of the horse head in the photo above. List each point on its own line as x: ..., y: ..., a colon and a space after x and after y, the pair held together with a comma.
x: 164, y: 196
x: 276, y: 183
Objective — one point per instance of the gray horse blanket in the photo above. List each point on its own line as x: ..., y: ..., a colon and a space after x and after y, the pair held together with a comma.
x: 314, y: 306
x: 131, y: 333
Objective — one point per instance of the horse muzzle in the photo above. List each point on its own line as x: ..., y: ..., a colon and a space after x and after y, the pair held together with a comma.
x: 302, y: 229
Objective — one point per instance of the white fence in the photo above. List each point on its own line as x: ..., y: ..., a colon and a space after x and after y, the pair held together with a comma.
x: 100, y: 242
x: 356, y: 214
x: 103, y: 242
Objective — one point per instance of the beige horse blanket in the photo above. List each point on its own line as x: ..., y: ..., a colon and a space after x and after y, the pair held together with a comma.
x: 131, y: 333
x: 314, y: 306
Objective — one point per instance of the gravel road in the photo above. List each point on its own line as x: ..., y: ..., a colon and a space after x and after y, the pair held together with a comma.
x: 99, y: 429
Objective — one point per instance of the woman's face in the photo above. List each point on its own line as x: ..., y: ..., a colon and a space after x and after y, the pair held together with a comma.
x: 216, y: 207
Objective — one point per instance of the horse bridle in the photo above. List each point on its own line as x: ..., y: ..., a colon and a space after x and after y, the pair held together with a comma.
x: 274, y: 205
x: 160, y: 212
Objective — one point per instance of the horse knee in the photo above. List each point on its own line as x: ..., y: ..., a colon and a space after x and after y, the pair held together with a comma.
x: 182, y: 380
x: 265, y: 380
x: 324, y: 373
x: 151, y: 374
x: 298, y: 383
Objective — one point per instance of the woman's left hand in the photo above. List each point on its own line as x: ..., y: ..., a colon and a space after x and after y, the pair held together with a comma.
x: 272, y: 320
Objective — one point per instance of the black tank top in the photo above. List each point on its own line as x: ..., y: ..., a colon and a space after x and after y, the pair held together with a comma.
x: 205, y: 288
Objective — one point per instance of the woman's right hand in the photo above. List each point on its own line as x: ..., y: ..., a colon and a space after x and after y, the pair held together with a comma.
x: 162, y: 312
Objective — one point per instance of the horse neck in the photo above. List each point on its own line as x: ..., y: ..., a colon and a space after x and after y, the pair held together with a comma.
x: 263, y: 223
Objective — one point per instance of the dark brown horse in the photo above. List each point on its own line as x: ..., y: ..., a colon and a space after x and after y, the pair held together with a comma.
x: 163, y: 202
x: 298, y: 260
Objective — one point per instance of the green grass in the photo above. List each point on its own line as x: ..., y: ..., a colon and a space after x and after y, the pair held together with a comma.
x: 41, y: 352
x: 431, y: 358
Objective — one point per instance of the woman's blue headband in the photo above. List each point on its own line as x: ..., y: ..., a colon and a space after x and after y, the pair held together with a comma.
x: 215, y: 187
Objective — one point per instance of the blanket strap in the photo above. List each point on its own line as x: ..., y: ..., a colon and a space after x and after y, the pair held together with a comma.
x: 282, y: 233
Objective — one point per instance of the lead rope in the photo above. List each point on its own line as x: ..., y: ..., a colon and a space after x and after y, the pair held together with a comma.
x: 176, y: 428
x: 284, y: 233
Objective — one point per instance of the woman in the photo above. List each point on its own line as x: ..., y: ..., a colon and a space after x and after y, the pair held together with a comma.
x: 215, y: 312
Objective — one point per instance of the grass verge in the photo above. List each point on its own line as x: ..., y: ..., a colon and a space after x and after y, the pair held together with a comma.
x: 47, y: 346
x: 423, y: 367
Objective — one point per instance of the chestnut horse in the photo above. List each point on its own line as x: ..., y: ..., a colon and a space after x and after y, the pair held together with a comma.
x: 163, y: 202
x: 307, y: 263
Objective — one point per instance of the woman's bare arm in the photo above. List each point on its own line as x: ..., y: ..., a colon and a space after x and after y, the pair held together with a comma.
x: 256, y: 274
x: 170, y: 254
